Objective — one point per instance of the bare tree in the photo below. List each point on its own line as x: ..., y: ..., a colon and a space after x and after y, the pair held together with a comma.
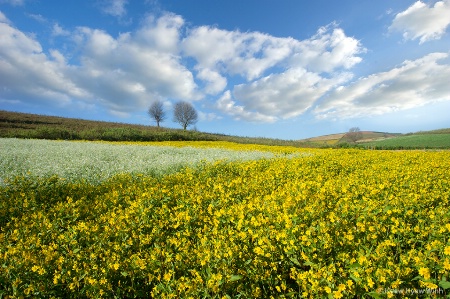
x: 354, y: 134
x: 156, y: 112
x: 184, y: 114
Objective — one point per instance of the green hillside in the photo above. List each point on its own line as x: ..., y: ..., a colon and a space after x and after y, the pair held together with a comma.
x: 33, y: 126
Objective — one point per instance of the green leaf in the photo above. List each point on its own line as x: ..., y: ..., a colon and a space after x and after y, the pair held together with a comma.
x: 124, y: 273
x: 76, y: 250
x: 354, y: 265
x: 235, y: 277
x: 295, y: 261
x: 444, y: 284
x: 290, y: 294
x: 356, y: 279
x: 375, y: 295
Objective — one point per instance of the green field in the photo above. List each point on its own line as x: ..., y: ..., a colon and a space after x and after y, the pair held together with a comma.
x: 415, y: 141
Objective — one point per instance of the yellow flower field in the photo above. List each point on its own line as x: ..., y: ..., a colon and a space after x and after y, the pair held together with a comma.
x: 333, y: 223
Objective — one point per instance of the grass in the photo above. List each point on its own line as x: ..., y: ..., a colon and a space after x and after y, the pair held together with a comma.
x: 414, y: 141
x: 33, y: 126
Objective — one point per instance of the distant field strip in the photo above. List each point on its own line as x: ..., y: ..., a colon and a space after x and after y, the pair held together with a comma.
x: 414, y: 141
x: 97, y: 161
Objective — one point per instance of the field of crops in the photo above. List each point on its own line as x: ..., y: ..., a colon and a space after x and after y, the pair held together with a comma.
x: 97, y: 161
x: 285, y: 223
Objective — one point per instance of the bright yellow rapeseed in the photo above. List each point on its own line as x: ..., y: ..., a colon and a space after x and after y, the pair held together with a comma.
x: 339, y: 223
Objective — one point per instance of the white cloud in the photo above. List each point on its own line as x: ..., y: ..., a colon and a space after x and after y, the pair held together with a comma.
x: 115, y: 8
x: 282, y: 77
x: 226, y: 105
x: 208, y: 116
x: 423, y: 21
x: 123, y: 73
x: 413, y: 84
x: 251, y: 54
x: 57, y: 30
x: 287, y: 94
x: 329, y: 49
x: 128, y: 71
x: 38, y: 18
x: 236, y: 53
x: 4, y: 19
x: 27, y: 74
x: 215, y: 83
x: 300, y: 72
x: 162, y: 34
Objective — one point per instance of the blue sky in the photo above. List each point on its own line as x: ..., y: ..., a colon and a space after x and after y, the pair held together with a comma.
x: 288, y: 69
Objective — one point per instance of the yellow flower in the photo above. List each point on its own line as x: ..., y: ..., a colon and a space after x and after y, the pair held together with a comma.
x: 370, y: 282
x: 341, y: 287
x: 167, y: 276
x: 446, y: 264
x: 337, y: 294
x: 56, y: 278
x: 425, y: 273
x: 115, y: 266
x: 447, y: 250
x: 428, y: 285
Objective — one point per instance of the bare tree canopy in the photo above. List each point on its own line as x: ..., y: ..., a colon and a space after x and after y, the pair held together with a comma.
x: 184, y: 114
x: 156, y: 112
x: 354, y: 134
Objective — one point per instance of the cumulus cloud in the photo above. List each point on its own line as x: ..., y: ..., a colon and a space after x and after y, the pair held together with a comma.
x: 247, y: 54
x: 423, y: 22
x: 122, y: 73
x: 214, y: 82
x: 26, y: 73
x: 299, y: 72
x: 227, y: 105
x: 128, y: 71
x: 413, y: 84
x: 279, y: 77
x: 287, y: 94
x: 162, y: 34
x: 329, y: 49
x: 250, y: 54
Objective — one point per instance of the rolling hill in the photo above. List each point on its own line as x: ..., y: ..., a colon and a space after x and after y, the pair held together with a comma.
x: 25, y: 125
